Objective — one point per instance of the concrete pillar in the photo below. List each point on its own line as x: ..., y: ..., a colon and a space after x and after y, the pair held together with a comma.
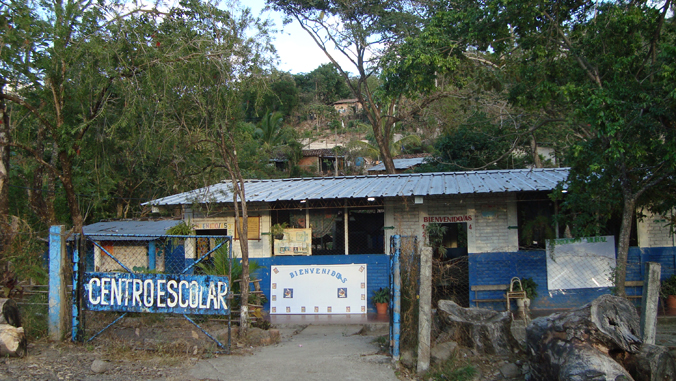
x: 58, y: 284
x: 425, y: 310
x: 651, y: 291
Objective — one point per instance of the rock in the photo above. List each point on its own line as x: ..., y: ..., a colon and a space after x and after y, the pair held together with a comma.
x: 407, y: 358
x: 100, y: 366
x: 444, y: 351
x: 275, y: 336
x: 510, y: 370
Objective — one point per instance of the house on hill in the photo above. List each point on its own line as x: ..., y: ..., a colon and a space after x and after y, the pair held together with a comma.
x: 336, y: 251
x: 323, y: 161
x: 347, y: 106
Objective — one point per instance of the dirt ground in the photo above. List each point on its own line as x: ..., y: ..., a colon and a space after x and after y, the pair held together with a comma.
x: 173, y: 349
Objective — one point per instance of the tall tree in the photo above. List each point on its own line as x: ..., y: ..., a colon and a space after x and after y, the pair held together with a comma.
x: 606, y: 67
x: 363, y: 32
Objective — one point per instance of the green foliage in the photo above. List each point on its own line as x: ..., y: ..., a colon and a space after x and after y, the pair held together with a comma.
x: 529, y: 286
x: 435, y: 236
x: 182, y: 228
x: 382, y: 295
x: 278, y: 229
x: 269, y: 131
x: 668, y: 286
x: 478, y: 143
x: 219, y: 264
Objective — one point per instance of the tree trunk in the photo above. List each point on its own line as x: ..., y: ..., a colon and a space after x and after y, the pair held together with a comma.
x: 574, y: 345
x: 537, y: 163
x: 5, y: 138
x: 12, y: 341
x: 486, y: 331
x: 10, y: 313
x: 71, y: 196
x: 623, y: 245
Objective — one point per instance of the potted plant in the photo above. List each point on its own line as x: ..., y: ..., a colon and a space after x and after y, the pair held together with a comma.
x: 530, y: 288
x: 668, y: 291
x: 277, y: 230
x: 381, y: 299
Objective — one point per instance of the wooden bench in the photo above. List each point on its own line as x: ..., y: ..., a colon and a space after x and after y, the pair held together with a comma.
x: 489, y: 287
x: 634, y: 283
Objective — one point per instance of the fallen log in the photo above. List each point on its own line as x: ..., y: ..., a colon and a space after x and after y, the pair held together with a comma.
x: 650, y: 363
x: 598, y: 341
x: 12, y: 341
x: 484, y: 330
x: 10, y: 312
x: 609, y: 323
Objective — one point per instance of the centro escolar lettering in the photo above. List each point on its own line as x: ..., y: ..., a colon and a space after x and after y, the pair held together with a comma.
x: 158, y: 293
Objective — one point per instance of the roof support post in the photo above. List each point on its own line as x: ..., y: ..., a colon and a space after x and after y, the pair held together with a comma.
x: 346, y: 217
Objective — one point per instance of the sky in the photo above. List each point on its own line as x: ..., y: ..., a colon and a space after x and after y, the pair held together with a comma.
x: 297, y: 52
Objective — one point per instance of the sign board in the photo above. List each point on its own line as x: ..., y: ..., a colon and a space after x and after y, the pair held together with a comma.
x: 580, y: 262
x: 158, y: 293
x: 295, y: 242
x: 318, y: 289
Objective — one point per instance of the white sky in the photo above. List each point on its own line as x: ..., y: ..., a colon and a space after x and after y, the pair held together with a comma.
x: 297, y: 52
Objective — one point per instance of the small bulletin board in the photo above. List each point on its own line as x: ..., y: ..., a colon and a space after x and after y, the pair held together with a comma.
x: 295, y: 242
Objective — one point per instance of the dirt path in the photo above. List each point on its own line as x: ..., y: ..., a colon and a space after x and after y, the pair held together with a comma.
x: 321, y: 352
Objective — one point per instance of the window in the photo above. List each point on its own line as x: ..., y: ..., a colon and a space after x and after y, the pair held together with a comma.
x: 254, y: 228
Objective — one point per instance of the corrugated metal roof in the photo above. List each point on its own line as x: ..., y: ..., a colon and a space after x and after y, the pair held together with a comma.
x: 151, y: 228
x: 405, y: 184
x: 400, y: 164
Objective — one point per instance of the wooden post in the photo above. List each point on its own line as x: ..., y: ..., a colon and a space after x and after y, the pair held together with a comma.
x: 58, y: 302
x: 425, y: 310
x: 651, y: 291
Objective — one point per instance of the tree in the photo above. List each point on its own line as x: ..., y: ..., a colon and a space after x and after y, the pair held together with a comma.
x: 364, y: 32
x: 269, y: 131
x: 606, y: 68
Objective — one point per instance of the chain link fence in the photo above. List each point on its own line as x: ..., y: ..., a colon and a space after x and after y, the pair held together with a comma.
x: 167, y: 256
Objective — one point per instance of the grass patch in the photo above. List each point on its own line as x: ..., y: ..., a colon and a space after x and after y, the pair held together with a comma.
x: 451, y: 370
x: 34, y: 317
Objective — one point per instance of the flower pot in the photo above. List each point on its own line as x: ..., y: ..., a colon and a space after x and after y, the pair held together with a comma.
x: 381, y: 308
x: 671, y: 305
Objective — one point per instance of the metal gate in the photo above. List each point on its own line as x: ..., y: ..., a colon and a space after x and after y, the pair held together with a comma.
x: 139, y: 273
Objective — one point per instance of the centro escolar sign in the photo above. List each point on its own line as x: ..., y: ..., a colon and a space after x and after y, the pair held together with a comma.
x: 158, y: 293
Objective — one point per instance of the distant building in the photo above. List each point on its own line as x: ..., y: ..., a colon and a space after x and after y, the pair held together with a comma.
x: 322, y: 161
x: 401, y: 165
x: 347, y: 106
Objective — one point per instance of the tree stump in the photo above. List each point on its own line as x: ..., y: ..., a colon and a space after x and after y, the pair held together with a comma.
x: 598, y: 341
x: 10, y: 313
x: 12, y: 341
x: 484, y: 330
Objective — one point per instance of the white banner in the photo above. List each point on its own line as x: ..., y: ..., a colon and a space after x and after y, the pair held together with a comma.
x: 318, y: 289
x: 580, y: 262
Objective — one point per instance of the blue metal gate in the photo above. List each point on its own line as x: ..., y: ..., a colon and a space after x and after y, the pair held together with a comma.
x: 187, y: 275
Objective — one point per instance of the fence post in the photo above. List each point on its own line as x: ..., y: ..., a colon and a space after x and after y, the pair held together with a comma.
x: 649, y: 301
x: 425, y: 310
x: 58, y: 300
x: 396, y: 310
x: 152, y: 256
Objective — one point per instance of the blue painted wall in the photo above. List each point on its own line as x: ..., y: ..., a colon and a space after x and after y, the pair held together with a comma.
x: 499, y: 268
x: 378, y: 269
